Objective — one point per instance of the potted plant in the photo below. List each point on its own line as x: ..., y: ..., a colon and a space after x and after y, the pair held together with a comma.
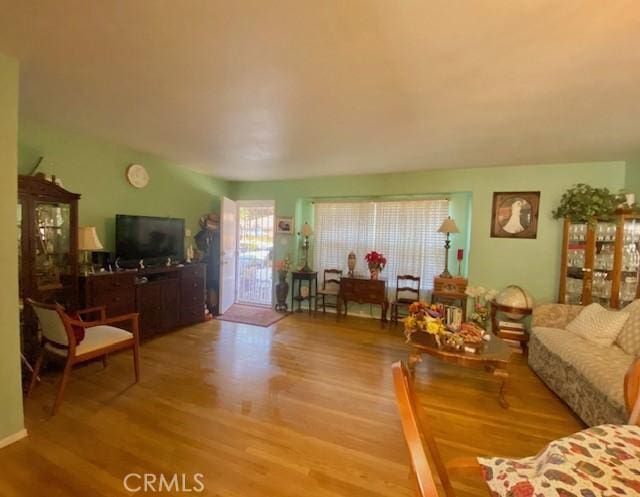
x: 585, y: 204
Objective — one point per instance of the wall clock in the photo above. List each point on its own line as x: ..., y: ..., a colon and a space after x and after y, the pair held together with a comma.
x: 137, y: 176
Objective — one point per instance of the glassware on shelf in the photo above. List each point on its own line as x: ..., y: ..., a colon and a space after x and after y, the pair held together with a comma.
x: 577, y: 232
x: 52, y: 250
x: 628, y: 289
x: 604, y: 259
x: 574, y: 291
x: 575, y: 258
x: 630, y: 258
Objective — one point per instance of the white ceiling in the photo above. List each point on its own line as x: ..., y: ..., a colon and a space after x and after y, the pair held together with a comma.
x: 271, y: 89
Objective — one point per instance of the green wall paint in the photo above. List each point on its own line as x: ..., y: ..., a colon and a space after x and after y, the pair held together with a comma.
x: 11, y: 420
x: 492, y: 262
x: 632, y: 178
x: 96, y: 169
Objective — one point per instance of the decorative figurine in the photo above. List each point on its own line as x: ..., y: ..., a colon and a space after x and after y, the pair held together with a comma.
x: 351, y: 263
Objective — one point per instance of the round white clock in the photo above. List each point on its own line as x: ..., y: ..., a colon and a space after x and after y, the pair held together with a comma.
x: 137, y: 176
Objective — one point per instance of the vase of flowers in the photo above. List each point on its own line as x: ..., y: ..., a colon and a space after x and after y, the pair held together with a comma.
x: 282, y: 287
x: 376, y: 262
x: 425, y: 318
x: 481, y: 298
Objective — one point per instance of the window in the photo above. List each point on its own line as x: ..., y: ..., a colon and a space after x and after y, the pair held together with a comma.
x: 404, y: 231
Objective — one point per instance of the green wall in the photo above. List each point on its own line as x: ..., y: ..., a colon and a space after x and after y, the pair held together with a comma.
x: 96, y: 169
x: 493, y: 262
x: 11, y: 420
x: 632, y: 178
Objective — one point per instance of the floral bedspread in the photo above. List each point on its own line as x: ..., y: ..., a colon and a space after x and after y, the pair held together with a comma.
x: 599, y: 461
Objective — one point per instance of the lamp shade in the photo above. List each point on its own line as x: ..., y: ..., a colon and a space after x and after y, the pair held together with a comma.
x: 306, y: 230
x: 448, y: 226
x: 88, y: 239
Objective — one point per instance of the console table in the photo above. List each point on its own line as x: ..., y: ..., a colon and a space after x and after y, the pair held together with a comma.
x: 363, y: 291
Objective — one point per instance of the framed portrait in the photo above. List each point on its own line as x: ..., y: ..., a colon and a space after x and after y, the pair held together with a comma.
x: 515, y: 214
x: 284, y: 225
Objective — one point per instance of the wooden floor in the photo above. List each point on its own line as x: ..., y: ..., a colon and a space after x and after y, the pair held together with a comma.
x: 304, y: 408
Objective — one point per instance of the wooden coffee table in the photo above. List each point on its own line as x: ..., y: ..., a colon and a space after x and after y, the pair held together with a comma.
x: 494, y: 358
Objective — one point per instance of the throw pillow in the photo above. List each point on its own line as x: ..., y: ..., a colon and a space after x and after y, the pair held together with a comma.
x: 78, y: 331
x: 629, y: 338
x: 598, y: 325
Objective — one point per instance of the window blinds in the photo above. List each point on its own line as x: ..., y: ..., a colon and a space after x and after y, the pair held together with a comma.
x: 404, y: 231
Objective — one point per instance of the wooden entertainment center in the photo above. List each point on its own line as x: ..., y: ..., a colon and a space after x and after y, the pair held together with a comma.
x: 165, y: 297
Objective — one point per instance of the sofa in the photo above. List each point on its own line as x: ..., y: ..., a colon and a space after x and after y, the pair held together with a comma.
x: 589, y: 378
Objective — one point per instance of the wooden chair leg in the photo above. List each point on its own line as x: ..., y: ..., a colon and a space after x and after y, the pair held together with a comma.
x: 36, y: 373
x: 63, y: 385
x: 136, y: 360
x: 104, y: 361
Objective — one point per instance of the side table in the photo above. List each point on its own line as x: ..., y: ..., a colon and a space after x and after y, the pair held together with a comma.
x: 311, y: 278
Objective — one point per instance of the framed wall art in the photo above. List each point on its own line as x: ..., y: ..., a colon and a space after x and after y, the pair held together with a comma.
x: 515, y: 214
x: 284, y: 225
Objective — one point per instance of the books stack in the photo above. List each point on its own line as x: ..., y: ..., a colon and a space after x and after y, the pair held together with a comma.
x: 514, y: 333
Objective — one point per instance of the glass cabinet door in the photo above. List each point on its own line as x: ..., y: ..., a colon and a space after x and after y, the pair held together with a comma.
x: 630, y: 261
x: 52, y: 248
x: 576, y: 262
x: 603, y: 264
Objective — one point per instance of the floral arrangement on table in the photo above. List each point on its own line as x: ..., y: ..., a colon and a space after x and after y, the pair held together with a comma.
x: 426, y: 318
x: 376, y: 262
x: 283, y: 266
x: 481, y: 298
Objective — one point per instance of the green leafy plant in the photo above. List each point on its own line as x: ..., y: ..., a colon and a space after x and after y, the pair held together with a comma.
x: 585, y: 204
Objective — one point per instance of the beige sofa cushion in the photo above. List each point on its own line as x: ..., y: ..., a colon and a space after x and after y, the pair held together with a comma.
x: 602, y: 367
x: 598, y: 325
x: 629, y: 337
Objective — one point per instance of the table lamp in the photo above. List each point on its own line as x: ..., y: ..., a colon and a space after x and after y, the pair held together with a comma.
x: 448, y: 226
x: 88, y: 241
x: 306, y: 232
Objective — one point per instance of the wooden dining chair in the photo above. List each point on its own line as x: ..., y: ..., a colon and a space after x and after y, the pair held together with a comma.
x: 330, y: 287
x: 407, y: 292
x: 58, y: 340
x: 417, y: 433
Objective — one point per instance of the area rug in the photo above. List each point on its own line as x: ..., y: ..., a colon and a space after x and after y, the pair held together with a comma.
x: 257, y: 316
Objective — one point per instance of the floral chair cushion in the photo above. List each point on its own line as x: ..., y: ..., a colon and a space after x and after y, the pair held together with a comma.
x: 598, y: 461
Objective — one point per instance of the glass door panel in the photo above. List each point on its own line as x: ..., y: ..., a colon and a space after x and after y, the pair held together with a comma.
x: 254, y: 282
x: 630, y: 261
x: 605, y: 235
x: 576, y: 262
x: 52, y: 248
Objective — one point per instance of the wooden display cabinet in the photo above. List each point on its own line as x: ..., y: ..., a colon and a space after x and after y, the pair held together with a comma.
x: 47, y: 221
x: 600, y: 261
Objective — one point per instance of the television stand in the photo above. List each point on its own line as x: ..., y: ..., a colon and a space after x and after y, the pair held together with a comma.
x: 172, y: 296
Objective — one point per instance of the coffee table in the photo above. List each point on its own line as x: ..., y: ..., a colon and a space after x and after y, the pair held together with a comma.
x: 494, y: 357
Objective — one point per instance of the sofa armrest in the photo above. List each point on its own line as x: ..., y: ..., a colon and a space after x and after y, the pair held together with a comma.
x: 554, y: 315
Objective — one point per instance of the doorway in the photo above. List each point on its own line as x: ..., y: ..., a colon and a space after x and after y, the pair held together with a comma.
x: 255, y: 240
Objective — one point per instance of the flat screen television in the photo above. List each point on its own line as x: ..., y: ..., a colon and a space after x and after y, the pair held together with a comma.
x: 147, y: 237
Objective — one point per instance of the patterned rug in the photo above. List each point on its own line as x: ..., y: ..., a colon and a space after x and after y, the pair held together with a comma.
x: 257, y: 316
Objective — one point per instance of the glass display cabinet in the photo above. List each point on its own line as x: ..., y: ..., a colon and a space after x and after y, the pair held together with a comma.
x: 600, y: 261
x: 47, y: 221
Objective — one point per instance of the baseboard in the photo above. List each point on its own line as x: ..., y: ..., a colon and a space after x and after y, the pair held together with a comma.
x: 13, y: 438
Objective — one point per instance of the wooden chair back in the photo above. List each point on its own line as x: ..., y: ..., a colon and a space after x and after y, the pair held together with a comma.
x: 331, y: 279
x: 407, y: 288
x: 632, y: 392
x: 52, y: 324
x: 417, y: 434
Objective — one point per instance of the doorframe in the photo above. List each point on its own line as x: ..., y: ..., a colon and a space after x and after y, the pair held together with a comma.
x: 256, y: 203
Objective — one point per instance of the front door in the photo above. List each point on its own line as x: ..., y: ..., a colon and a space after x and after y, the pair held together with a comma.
x: 255, y: 252
x: 227, y: 255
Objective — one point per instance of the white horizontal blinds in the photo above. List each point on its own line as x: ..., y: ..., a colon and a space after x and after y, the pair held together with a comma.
x: 339, y: 229
x: 404, y: 231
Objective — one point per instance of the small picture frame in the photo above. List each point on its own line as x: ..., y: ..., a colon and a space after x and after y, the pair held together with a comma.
x: 284, y: 225
x: 515, y: 214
